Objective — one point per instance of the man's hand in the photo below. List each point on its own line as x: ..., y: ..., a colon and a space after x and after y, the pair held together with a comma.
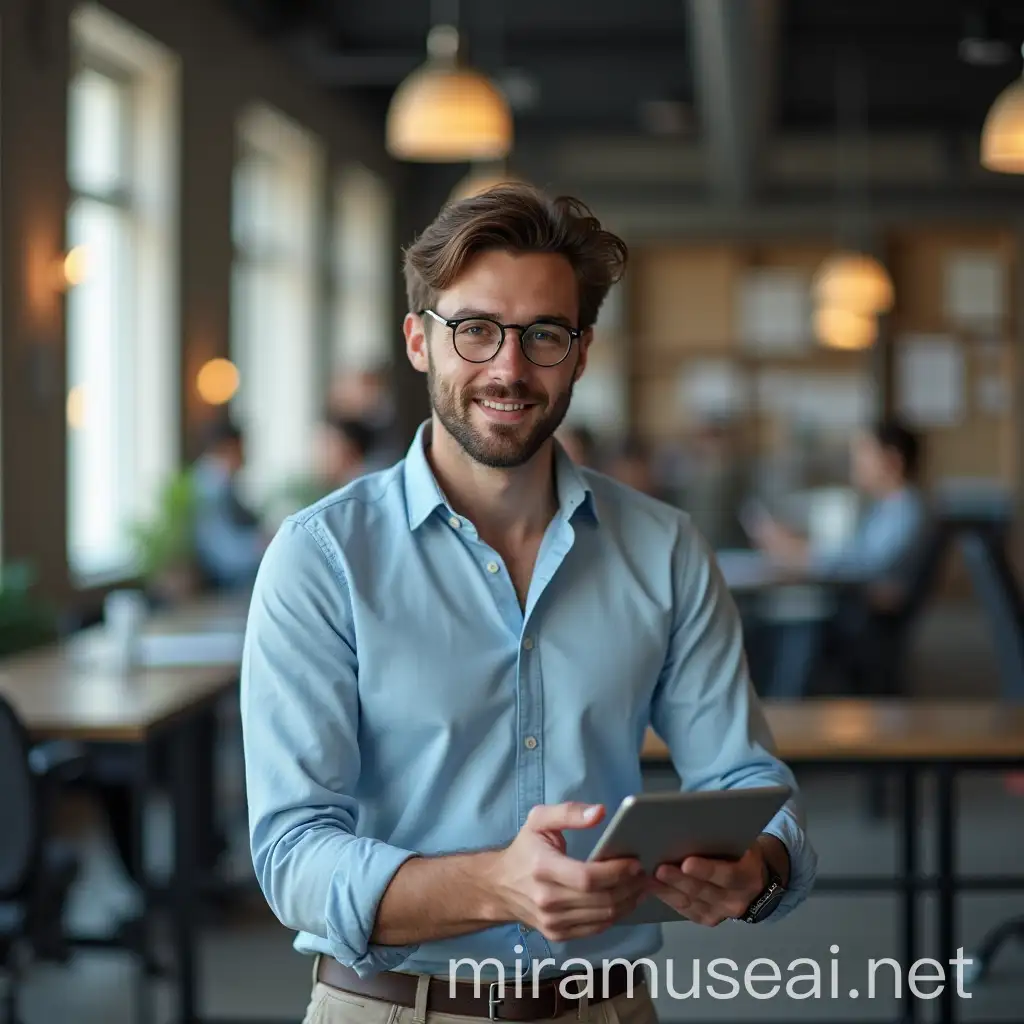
x: 563, y: 898
x: 710, y: 891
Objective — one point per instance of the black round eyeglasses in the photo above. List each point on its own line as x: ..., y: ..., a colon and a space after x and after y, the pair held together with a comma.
x: 478, y: 339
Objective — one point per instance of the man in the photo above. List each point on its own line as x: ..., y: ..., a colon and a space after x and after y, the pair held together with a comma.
x: 229, y: 539
x: 450, y: 665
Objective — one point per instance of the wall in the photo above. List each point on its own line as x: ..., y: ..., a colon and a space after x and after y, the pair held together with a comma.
x: 224, y: 67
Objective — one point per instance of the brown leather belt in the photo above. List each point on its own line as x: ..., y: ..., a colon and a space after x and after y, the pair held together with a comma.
x: 489, y: 1001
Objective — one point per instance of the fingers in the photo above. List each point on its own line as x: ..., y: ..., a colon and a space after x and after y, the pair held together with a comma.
x: 588, y: 876
x: 702, y: 897
x: 561, y: 899
x: 697, y: 910
x: 555, y: 817
x: 560, y: 920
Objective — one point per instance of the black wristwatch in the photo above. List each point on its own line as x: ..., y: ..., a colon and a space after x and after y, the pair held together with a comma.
x: 767, y: 901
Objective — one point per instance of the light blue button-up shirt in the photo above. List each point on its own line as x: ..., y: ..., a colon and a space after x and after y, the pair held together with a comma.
x: 398, y: 700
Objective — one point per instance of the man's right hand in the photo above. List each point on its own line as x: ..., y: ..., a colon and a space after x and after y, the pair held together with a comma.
x: 538, y: 885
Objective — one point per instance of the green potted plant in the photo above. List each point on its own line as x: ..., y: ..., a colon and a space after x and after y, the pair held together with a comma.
x: 25, y: 620
x: 164, y: 543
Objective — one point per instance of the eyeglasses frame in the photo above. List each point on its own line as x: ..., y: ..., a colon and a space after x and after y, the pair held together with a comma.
x: 575, y: 334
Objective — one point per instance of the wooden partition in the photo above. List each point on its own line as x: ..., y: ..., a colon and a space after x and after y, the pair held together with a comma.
x: 684, y: 311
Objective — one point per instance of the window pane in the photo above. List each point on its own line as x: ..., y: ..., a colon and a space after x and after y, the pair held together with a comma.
x: 273, y: 319
x: 97, y: 122
x: 99, y: 382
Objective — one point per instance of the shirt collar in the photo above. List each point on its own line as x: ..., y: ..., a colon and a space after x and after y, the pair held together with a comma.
x: 423, y: 494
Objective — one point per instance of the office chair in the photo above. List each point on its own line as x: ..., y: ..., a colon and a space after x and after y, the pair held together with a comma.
x: 36, y: 873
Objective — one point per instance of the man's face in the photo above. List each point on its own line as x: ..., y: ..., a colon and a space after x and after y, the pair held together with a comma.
x: 509, y: 288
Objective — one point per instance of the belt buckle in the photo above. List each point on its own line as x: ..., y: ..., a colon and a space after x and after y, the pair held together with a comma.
x: 493, y: 1001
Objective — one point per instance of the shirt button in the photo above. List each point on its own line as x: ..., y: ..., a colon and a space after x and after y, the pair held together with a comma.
x: 528, y: 643
x: 492, y: 566
x: 530, y: 742
x: 455, y: 522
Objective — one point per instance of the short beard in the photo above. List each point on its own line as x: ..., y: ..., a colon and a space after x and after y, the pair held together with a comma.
x: 500, y: 447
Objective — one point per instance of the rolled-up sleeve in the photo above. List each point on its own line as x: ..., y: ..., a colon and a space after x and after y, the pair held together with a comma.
x: 706, y: 711
x: 300, y: 711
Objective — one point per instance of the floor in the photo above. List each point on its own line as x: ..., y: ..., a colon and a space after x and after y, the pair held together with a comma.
x: 251, y: 974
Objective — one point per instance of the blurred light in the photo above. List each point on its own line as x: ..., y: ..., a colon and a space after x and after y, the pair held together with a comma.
x: 447, y: 113
x: 855, y: 282
x: 1002, y: 137
x: 76, y: 407
x: 479, y: 180
x: 836, y: 327
x: 217, y: 381
x: 76, y: 266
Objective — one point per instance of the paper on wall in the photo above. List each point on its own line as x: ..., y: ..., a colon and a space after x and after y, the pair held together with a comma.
x: 712, y: 389
x: 774, y: 310
x: 930, y: 379
x: 975, y: 289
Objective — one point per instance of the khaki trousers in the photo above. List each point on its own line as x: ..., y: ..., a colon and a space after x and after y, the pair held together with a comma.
x: 329, y: 1005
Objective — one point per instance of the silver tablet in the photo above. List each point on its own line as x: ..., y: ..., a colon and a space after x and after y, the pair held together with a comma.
x: 666, y: 828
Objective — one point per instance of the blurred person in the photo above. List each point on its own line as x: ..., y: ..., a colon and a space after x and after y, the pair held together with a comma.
x: 631, y: 465
x: 406, y: 638
x: 716, y: 485
x: 884, y: 468
x: 228, y: 535
x: 343, y: 452
x: 579, y: 443
x: 874, y: 567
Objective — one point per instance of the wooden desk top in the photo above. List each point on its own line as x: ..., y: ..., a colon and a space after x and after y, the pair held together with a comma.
x: 843, y: 730
x: 75, y: 691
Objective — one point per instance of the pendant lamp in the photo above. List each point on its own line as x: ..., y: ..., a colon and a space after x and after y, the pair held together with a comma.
x: 854, y: 281
x: 1002, y: 136
x: 445, y: 112
x: 836, y: 327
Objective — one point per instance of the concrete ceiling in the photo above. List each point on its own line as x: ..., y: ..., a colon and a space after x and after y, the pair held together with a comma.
x: 732, y: 100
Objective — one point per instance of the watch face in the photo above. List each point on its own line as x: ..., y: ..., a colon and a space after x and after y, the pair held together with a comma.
x: 765, y: 903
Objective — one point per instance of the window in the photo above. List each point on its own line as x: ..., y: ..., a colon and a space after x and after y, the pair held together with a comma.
x: 122, y: 404
x: 275, y: 291
x: 362, y: 317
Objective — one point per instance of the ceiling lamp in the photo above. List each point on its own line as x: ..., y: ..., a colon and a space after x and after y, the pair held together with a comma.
x: 836, y: 327
x: 853, y: 281
x: 445, y: 112
x: 479, y: 180
x: 1002, y: 137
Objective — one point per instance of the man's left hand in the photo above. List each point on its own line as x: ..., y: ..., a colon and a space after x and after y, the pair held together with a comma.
x: 710, y: 891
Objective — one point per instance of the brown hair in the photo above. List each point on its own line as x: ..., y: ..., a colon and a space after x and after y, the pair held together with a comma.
x: 517, y: 218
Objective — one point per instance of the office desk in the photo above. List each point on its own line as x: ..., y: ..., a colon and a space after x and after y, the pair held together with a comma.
x: 73, y: 691
x: 913, y: 739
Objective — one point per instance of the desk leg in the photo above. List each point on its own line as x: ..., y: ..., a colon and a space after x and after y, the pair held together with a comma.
x: 143, y: 777
x: 184, y: 785
x: 946, y: 866
x: 908, y: 897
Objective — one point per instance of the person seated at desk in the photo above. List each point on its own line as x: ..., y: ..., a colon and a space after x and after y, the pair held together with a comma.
x: 229, y: 538
x: 878, y: 559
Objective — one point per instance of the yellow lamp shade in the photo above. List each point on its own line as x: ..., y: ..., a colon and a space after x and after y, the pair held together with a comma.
x: 853, y: 281
x: 836, y: 327
x: 1002, y: 137
x: 446, y: 115
x: 217, y: 381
